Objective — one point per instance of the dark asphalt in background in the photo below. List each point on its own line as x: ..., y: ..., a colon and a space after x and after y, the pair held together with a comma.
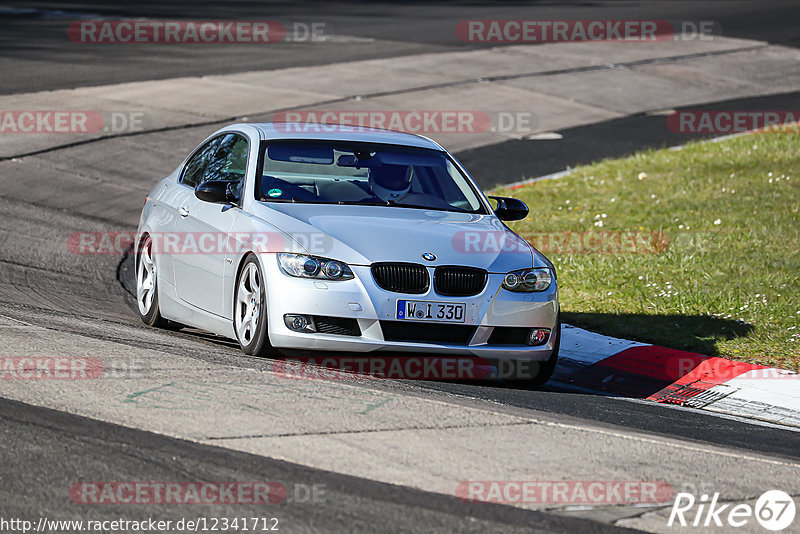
x: 36, y: 53
x: 513, y: 161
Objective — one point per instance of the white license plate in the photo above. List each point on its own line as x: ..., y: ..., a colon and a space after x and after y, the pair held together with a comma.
x: 435, y: 312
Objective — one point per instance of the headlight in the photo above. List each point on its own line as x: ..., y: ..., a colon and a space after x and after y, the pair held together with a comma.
x: 527, y: 280
x: 303, y: 266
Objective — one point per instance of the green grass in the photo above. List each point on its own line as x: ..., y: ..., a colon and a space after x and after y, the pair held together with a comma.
x: 722, y: 278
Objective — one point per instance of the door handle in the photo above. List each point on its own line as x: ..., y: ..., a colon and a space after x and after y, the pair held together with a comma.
x: 183, y: 211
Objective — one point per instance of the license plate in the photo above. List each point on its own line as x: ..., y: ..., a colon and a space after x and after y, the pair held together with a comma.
x: 435, y: 312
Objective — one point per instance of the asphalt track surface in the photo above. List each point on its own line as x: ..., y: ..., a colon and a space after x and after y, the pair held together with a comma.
x: 75, y: 447
x: 34, y: 50
x: 45, y: 450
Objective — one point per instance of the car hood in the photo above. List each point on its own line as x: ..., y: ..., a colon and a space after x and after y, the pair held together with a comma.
x: 362, y: 235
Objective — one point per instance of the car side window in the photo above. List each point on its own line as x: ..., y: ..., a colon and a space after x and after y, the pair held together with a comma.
x: 229, y: 160
x: 196, y: 166
x: 222, y: 158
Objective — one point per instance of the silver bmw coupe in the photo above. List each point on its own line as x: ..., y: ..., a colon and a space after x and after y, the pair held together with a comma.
x: 346, y: 239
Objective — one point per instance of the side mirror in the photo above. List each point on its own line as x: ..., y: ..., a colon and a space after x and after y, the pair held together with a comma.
x: 510, y: 209
x: 215, y: 191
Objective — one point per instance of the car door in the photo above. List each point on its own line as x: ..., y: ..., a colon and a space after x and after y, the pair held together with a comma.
x: 203, y: 227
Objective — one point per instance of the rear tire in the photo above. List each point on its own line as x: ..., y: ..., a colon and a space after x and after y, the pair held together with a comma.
x: 250, y: 310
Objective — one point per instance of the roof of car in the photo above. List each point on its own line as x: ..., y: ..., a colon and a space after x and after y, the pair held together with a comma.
x: 337, y: 132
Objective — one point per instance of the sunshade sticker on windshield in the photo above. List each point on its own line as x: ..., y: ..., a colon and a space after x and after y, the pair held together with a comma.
x: 319, y: 155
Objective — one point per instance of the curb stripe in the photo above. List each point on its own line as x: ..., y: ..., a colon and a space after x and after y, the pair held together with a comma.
x: 659, y: 374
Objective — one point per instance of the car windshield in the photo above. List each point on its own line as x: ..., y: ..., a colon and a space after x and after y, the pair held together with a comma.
x: 368, y: 174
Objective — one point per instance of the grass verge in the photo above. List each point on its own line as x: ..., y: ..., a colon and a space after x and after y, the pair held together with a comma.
x: 696, y: 249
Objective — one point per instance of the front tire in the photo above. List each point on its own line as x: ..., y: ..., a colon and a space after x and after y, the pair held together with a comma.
x: 147, y: 286
x: 250, y: 310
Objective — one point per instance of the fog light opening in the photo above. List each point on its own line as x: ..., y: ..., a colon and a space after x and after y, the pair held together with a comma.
x: 538, y: 336
x: 299, y: 323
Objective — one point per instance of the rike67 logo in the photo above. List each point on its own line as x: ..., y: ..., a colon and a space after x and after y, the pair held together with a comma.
x: 774, y: 510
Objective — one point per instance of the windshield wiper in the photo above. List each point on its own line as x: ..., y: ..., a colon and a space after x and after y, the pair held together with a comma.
x: 362, y: 203
x: 265, y: 199
x: 389, y: 204
x: 295, y: 200
x: 421, y: 207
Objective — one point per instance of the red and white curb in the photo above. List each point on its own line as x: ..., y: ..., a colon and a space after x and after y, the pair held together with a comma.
x: 637, y: 370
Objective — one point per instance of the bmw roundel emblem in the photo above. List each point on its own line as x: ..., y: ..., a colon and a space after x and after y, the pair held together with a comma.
x: 429, y: 256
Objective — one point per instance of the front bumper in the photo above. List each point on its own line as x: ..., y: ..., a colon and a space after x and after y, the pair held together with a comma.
x: 361, y: 299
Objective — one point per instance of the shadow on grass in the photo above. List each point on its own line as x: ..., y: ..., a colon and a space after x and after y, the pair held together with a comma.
x: 691, y: 333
